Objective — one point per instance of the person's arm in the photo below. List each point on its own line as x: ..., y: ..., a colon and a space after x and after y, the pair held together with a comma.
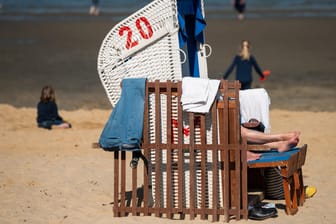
x: 256, y: 67
x: 40, y: 112
x: 230, y: 69
x: 54, y: 112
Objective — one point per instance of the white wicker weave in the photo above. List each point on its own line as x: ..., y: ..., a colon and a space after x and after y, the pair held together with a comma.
x: 155, y: 56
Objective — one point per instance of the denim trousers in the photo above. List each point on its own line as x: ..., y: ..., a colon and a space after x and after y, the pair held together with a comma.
x: 123, y: 130
x: 48, y: 124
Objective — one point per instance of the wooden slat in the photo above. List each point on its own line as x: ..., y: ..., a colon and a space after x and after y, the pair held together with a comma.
x: 169, y: 151
x: 123, y: 184
x: 225, y: 153
x: 203, y: 168
x: 192, y: 166
x: 134, y: 189
x: 179, y: 147
x: 116, y: 184
x: 215, y: 178
x: 157, y: 153
x: 236, y: 136
x: 146, y: 154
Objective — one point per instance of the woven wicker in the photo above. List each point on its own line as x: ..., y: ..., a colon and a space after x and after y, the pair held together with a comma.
x: 156, y: 55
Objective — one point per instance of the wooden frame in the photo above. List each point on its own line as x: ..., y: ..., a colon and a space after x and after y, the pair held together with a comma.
x: 201, y: 171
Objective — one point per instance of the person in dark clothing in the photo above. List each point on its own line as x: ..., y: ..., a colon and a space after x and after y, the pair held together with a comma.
x: 244, y: 62
x: 239, y: 6
x: 47, y: 111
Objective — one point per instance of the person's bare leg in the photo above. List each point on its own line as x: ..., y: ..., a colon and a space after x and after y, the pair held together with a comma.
x: 283, y: 146
x: 257, y: 137
x: 252, y: 156
x: 63, y: 125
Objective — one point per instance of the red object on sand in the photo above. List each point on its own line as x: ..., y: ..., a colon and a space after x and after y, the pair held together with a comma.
x: 262, y: 78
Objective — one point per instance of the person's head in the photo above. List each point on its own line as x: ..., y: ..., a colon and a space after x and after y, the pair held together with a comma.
x: 245, y: 50
x: 47, y: 94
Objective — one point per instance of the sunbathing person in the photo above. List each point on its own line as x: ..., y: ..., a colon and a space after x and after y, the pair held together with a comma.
x: 282, y: 142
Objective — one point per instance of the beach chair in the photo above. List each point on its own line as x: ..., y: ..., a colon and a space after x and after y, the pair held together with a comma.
x: 290, y: 166
x: 146, y: 45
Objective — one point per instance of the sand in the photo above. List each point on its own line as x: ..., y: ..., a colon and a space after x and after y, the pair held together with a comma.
x: 57, y: 177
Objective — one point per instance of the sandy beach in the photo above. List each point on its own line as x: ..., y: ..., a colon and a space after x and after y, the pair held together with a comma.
x: 57, y: 177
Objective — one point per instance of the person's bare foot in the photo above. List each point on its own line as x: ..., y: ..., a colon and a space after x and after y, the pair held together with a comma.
x: 286, y: 145
x: 63, y: 125
x: 252, y: 156
x: 291, y: 135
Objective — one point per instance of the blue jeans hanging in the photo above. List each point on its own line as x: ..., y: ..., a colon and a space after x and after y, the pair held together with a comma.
x: 123, y: 131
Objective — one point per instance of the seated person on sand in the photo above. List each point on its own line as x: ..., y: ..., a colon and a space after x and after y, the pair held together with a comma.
x: 47, y: 112
x: 281, y: 142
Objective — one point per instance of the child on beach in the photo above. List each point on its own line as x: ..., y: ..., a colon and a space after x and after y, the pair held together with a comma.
x: 47, y: 111
x: 244, y: 62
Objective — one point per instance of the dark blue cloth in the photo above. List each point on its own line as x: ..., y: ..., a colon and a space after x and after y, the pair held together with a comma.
x: 123, y: 130
x: 191, y: 24
x: 240, y: 7
x: 95, y: 2
x: 244, y: 70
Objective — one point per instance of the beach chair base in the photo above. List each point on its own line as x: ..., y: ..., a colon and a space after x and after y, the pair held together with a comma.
x: 290, y: 164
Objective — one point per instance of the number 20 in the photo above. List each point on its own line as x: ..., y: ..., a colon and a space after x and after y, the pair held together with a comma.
x: 138, y: 23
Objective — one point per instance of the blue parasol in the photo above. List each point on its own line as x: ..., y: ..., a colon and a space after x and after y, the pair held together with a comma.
x: 192, y: 24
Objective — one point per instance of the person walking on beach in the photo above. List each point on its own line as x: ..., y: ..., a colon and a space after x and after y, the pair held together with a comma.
x: 244, y: 62
x: 239, y: 6
x: 94, y: 9
x: 47, y: 111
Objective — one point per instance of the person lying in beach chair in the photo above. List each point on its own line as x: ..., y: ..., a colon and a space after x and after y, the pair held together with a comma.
x: 193, y: 92
x: 282, y: 142
x: 281, y: 159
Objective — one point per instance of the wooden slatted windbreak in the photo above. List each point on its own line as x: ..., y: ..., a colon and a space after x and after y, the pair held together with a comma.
x: 191, y: 164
